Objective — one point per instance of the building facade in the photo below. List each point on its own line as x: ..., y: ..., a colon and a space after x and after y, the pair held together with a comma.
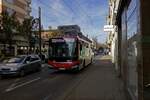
x: 71, y: 29
x: 46, y: 34
x: 112, y: 39
x: 133, y: 44
x: 22, y: 10
x: 20, y: 7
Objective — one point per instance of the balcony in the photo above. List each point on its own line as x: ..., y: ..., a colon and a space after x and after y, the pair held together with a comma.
x: 28, y: 1
x: 28, y: 9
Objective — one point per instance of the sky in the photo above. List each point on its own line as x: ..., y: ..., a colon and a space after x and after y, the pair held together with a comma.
x: 90, y: 15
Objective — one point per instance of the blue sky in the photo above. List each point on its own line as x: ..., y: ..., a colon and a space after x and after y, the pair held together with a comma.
x: 90, y: 15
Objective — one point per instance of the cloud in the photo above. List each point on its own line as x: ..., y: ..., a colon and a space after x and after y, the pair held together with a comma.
x: 58, y: 8
x: 90, y: 15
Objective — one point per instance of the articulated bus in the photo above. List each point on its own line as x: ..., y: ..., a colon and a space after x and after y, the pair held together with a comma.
x: 70, y: 52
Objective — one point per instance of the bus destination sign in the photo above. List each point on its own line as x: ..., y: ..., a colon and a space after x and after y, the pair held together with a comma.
x: 57, y: 40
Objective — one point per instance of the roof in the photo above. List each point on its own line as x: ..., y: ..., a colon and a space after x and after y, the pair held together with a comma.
x: 80, y: 36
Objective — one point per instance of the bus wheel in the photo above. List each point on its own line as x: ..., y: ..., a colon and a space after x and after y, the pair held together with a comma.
x: 22, y: 73
x: 91, y: 61
x: 84, y: 64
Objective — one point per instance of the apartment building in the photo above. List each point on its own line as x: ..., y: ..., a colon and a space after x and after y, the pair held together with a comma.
x: 112, y: 40
x: 20, y: 7
x: 22, y: 10
x: 71, y: 29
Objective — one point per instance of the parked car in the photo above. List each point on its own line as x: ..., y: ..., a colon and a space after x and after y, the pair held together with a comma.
x: 20, y: 65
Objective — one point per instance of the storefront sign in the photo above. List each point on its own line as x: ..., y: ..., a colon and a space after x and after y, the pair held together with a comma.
x: 109, y: 28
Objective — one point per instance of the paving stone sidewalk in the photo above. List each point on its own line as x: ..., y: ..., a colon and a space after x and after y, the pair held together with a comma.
x: 101, y: 83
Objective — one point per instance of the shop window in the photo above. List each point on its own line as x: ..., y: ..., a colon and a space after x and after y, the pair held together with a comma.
x: 10, y: 11
x: 132, y: 49
x: 132, y: 19
x: 10, y: 1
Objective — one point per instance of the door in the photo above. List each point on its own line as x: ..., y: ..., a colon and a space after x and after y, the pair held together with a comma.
x: 27, y: 65
x: 35, y: 62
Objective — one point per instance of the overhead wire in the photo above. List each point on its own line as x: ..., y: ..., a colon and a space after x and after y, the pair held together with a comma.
x: 44, y: 15
x: 83, y: 12
x: 81, y: 8
x: 75, y: 13
x: 48, y: 6
x: 72, y: 10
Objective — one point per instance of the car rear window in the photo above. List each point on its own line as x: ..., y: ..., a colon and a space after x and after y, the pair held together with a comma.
x: 34, y: 59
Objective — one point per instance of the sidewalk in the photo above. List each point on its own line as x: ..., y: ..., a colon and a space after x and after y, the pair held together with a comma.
x: 101, y: 83
x: 107, y: 57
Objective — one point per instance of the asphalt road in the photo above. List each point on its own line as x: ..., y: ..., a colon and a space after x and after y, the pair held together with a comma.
x: 51, y: 85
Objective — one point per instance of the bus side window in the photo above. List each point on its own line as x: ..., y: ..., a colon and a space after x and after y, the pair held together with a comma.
x: 80, y: 49
x: 50, y: 51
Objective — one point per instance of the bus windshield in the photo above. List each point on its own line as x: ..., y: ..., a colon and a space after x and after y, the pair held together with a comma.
x: 62, y: 48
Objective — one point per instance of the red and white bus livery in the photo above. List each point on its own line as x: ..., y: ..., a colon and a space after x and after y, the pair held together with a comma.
x: 70, y: 52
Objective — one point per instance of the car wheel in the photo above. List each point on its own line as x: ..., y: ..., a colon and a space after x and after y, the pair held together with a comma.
x: 84, y: 64
x: 22, y: 73
x: 39, y: 69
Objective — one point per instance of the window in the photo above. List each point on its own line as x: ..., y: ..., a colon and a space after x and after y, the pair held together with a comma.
x: 10, y: 1
x: 10, y: 11
x: 34, y: 59
x: 15, y: 60
x: 132, y: 22
x: 132, y: 19
x: 27, y: 59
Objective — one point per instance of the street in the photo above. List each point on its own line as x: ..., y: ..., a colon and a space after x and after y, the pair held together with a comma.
x: 96, y: 82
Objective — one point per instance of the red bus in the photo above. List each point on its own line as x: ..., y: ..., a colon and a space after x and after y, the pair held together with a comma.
x: 70, y: 52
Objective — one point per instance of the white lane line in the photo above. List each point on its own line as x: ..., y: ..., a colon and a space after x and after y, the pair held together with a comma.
x: 14, y: 83
x: 23, y: 84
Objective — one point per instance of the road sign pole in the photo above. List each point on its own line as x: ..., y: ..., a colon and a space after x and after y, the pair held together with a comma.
x: 40, y: 31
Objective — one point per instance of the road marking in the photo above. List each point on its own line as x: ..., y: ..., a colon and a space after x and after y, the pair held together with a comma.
x: 14, y: 83
x: 23, y: 84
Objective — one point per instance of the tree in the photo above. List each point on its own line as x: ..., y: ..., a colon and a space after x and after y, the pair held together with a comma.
x: 9, y: 28
x: 26, y: 28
